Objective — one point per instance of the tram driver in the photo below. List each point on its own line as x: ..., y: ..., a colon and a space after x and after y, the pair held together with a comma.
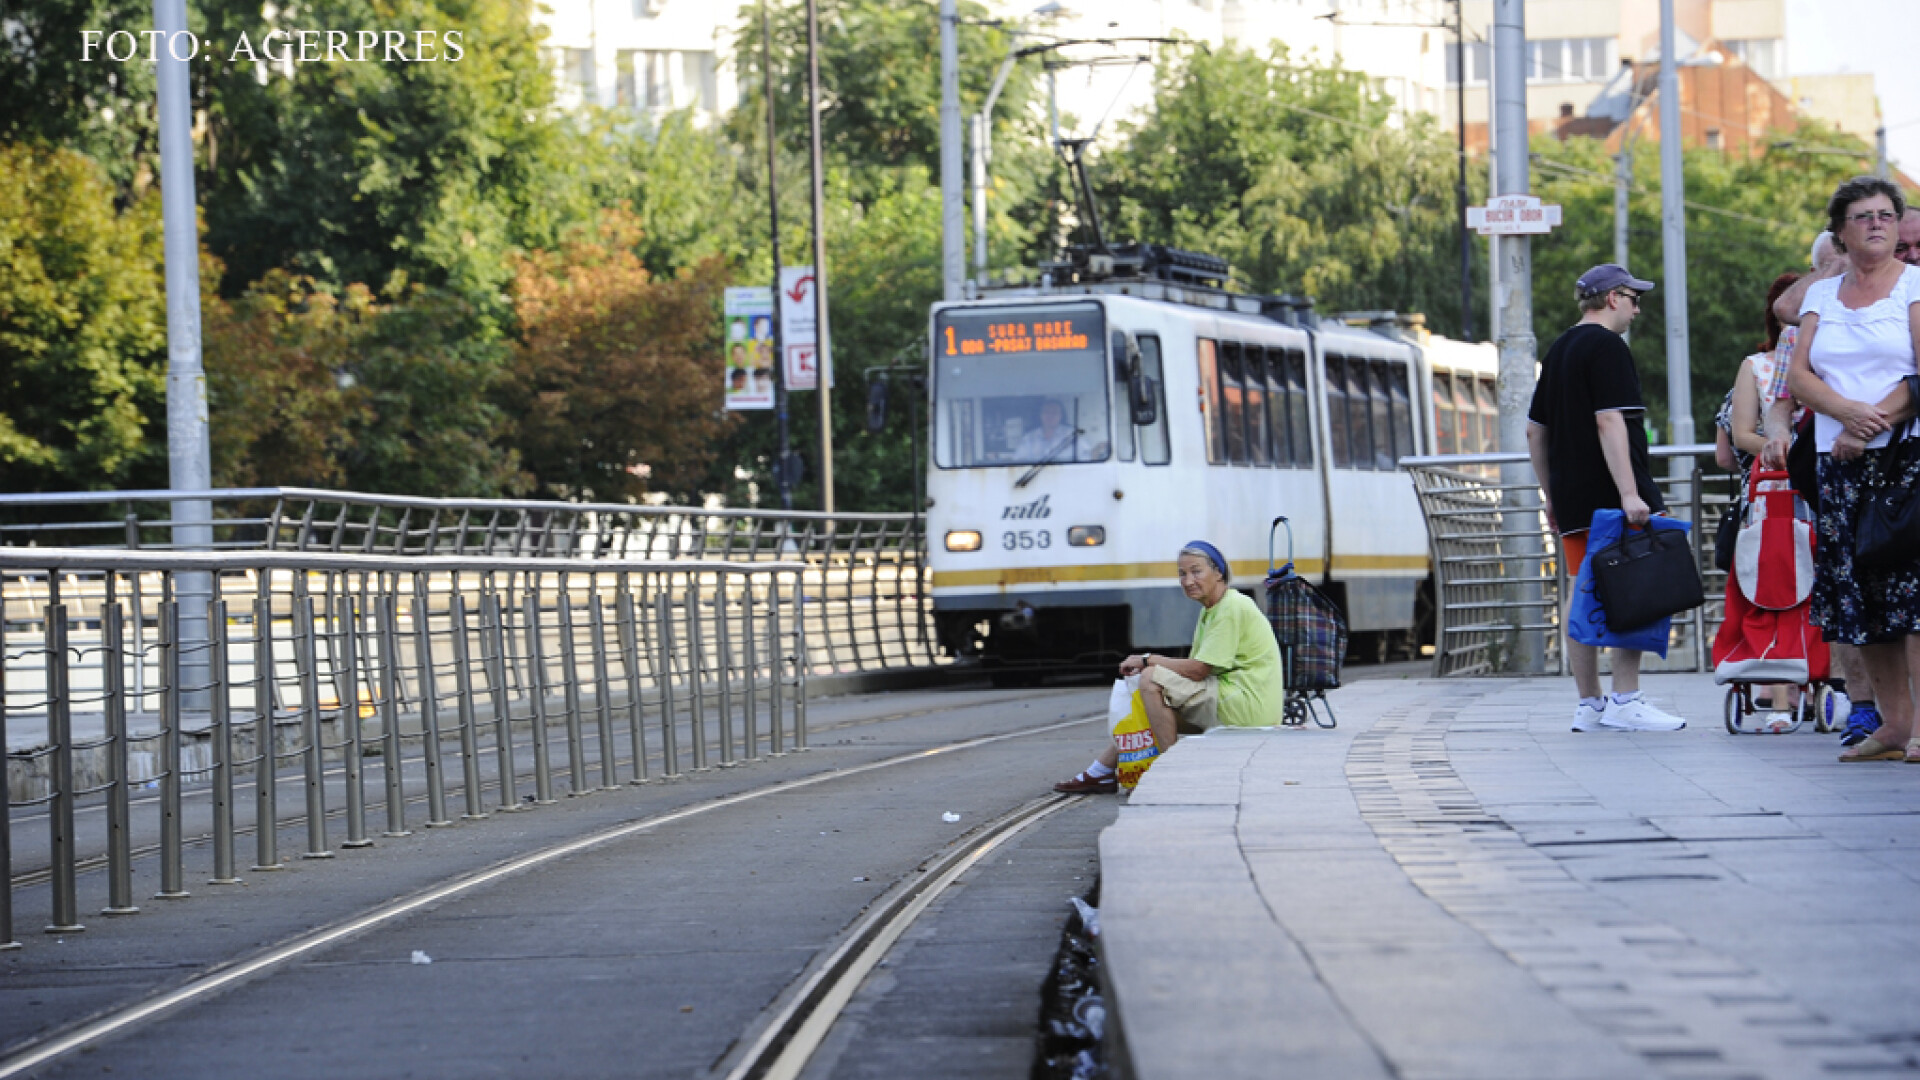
x: 1049, y: 441
x: 1232, y: 674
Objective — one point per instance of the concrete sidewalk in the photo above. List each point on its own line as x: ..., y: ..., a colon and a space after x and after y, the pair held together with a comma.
x: 1453, y: 885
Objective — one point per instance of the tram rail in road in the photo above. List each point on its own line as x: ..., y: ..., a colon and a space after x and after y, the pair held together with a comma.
x: 786, y: 1030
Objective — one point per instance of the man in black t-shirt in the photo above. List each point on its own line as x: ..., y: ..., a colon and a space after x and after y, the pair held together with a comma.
x: 1587, y: 435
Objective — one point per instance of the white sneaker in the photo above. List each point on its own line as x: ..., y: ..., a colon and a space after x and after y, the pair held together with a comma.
x: 1777, y: 723
x: 1588, y: 718
x: 1635, y: 714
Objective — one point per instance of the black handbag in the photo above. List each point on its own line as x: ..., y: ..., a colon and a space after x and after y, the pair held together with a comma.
x: 1727, y: 536
x: 1803, y: 464
x: 1886, y: 527
x: 1646, y: 576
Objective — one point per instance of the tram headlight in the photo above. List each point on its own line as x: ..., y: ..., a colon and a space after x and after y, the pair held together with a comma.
x: 1086, y: 536
x: 963, y: 540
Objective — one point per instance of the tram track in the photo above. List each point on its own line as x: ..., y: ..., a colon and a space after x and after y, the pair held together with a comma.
x: 779, y: 1043
x: 41, y: 875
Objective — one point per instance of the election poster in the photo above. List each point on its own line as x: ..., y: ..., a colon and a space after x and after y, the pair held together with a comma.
x: 749, y: 345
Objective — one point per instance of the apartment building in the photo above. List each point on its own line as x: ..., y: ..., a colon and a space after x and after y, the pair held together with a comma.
x: 648, y: 56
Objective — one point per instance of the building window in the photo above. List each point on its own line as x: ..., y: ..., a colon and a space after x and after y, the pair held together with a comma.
x: 574, y: 69
x: 1713, y: 139
x: 1568, y: 59
x: 1766, y: 56
x: 646, y: 9
x: 656, y: 79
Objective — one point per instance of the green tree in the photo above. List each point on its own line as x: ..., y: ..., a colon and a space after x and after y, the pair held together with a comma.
x: 54, y: 90
x: 82, y: 327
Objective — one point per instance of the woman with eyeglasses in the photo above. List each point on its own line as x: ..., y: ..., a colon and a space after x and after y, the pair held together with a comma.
x: 1854, y: 366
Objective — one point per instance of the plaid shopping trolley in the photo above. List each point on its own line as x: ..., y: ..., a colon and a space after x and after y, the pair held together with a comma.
x: 1311, y: 633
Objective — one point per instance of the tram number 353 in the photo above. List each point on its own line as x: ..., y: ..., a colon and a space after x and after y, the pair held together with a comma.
x: 1019, y: 539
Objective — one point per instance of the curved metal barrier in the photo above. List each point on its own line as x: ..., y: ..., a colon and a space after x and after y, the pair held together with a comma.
x: 1500, y: 590
x: 865, y: 572
x: 467, y: 679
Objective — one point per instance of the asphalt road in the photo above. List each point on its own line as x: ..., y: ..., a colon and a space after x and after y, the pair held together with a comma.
x: 648, y: 955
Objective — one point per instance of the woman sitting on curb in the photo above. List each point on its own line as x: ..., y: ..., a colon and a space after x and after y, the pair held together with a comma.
x: 1231, y: 677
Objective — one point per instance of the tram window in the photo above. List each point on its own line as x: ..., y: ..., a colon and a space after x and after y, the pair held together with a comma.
x: 1253, y: 371
x: 1337, y: 412
x: 1489, y: 415
x: 1282, y: 453
x: 1380, y: 410
x: 1445, y: 435
x: 1359, y: 415
x: 1233, y: 403
x: 1402, y: 412
x: 1210, y: 403
x: 1122, y: 418
x: 1469, y: 415
x: 1299, y: 413
x: 1154, y: 447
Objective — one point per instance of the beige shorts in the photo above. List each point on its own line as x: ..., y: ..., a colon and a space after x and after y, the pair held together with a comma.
x: 1193, y: 702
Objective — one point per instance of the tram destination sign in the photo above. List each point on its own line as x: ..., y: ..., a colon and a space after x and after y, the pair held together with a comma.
x: 998, y: 333
x: 1513, y: 215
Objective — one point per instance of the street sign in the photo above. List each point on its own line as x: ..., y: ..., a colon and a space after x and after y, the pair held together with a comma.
x: 1513, y: 215
x: 799, y: 334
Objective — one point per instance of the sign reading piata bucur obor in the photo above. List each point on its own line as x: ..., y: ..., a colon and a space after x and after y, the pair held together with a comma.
x: 968, y: 333
x: 1513, y: 215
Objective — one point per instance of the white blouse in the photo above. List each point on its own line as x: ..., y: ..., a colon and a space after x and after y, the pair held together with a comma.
x: 1860, y: 353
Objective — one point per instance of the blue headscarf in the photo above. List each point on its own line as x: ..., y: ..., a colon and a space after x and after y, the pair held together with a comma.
x: 1208, y: 552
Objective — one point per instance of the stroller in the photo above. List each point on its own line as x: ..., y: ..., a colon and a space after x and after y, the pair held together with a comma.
x: 1765, y: 637
x: 1311, y: 633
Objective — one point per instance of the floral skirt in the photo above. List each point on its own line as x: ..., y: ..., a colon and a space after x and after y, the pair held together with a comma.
x: 1868, y: 607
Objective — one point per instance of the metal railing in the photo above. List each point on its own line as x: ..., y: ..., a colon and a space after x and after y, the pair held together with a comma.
x: 473, y: 684
x: 1497, y: 572
x: 866, y: 573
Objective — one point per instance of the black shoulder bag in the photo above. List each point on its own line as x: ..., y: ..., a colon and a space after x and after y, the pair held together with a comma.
x: 1886, y: 527
x: 1645, y: 576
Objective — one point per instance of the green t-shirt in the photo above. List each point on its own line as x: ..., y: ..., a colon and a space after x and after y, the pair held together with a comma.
x: 1233, y: 638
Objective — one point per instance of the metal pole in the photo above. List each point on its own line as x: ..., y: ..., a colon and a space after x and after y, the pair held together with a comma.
x: 60, y: 839
x: 1460, y: 109
x: 696, y: 674
x: 173, y: 884
x: 663, y: 679
x: 781, y: 476
x: 346, y: 624
x: 724, y: 644
x: 1517, y: 344
x: 308, y: 650
x: 1673, y: 233
x: 570, y: 695
x: 223, y: 870
x: 8, y: 942
x: 953, y: 242
x: 1622, y: 187
x: 979, y: 178
x: 119, y: 803
x: 1880, y: 167
x: 266, y: 811
x: 602, y: 690
x: 823, y: 341
x: 429, y: 706
x: 189, y: 456
x: 389, y: 621
x: 463, y: 682
x: 493, y: 642
x: 629, y: 628
x: 537, y: 689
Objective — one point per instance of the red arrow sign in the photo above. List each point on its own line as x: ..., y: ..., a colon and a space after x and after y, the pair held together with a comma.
x: 799, y: 291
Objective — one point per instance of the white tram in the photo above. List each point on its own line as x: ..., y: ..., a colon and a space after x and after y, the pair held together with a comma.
x: 1082, y: 433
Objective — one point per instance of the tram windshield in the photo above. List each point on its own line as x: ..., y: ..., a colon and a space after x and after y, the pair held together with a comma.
x: 1021, y: 385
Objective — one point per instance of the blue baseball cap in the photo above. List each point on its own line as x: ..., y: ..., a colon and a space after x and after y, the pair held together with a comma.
x: 1605, y: 278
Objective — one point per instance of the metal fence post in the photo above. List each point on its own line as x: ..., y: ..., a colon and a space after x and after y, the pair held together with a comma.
x: 750, y: 716
x: 222, y: 705
x: 7, y: 941
x: 463, y: 681
x: 429, y: 705
x: 172, y: 872
x: 721, y: 616
x: 537, y: 687
x: 389, y: 621
x: 347, y: 627
x: 663, y: 678
x: 307, y: 655
x: 66, y: 908
x: 570, y: 695
x: 691, y: 603
x: 493, y: 643
x: 800, y: 669
x: 629, y: 628
x: 266, y: 811
x: 602, y: 698
x: 777, y: 663
x: 119, y: 801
